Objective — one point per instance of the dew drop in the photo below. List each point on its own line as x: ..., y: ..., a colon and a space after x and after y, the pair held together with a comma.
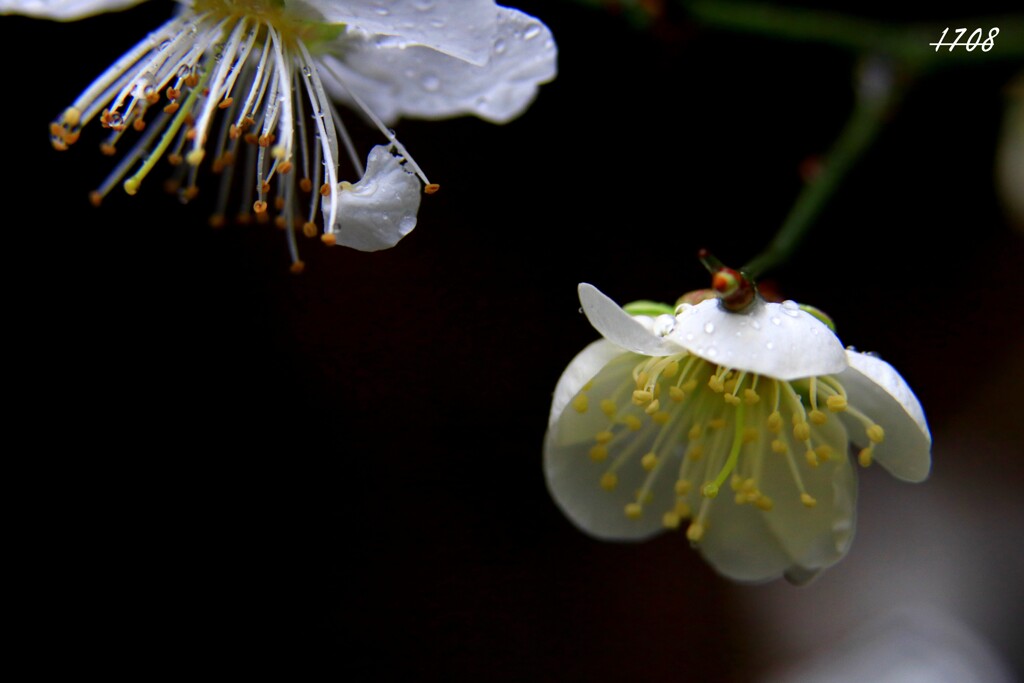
x: 712, y: 351
x: 664, y: 324
x: 499, y: 46
x: 790, y: 308
x: 769, y: 345
x: 689, y: 337
x: 531, y: 32
x: 164, y: 45
x: 383, y: 11
x: 306, y: 71
x: 709, y: 328
x: 407, y: 223
x: 430, y: 82
x: 776, y: 320
x: 437, y: 23
x: 424, y: 5
x: 756, y: 325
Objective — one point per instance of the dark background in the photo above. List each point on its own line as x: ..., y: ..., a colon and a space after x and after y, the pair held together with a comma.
x: 213, y: 457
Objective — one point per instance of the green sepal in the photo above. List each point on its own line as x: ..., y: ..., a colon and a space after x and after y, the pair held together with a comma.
x: 819, y: 314
x: 651, y: 308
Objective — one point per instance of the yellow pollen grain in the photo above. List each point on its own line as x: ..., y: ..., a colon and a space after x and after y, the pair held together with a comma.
x: 818, y: 417
x: 683, y: 487
x: 876, y: 433
x: 775, y: 422
x: 749, y: 485
x: 633, y: 423
x: 309, y: 229
x: 695, y: 532
x: 603, y: 436
x: 652, y: 407
x: 580, y: 403
x: 764, y: 502
x: 598, y: 453
x: 670, y: 370
x: 802, y: 431
x: 716, y: 384
x: 696, y: 453
x: 750, y: 396
x: 609, y: 480
x: 812, y: 458
x: 641, y: 397
x: 682, y: 509
x: 670, y: 520
x: 676, y: 394
x: 608, y: 407
x: 750, y: 434
x: 865, y: 457
x: 731, y: 399
x: 297, y: 267
x: 641, y: 379
x: 730, y: 386
x: 824, y: 452
x: 72, y: 116
x: 195, y: 157
x: 836, y: 404
x: 329, y: 238
x: 689, y: 385
x: 735, y: 482
x: 660, y: 418
x: 695, y: 432
x: 808, y: 500
x: 431, y: 188
x: 634, y: 510
x: 779, y: 446
x: 717, y: 423
x: 649, y: 461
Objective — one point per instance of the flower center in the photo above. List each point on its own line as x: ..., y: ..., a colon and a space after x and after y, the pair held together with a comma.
x: 707, y: 425
x: 235, y: 78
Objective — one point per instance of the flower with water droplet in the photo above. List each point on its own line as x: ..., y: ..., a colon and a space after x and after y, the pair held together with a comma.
x: 734, y: 425
x: 251, y: 84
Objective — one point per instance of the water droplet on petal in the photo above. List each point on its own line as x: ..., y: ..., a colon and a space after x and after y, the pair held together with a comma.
x: 306, y: 71
x: 430, y: 82
x: 407, y: 223
x: 790, y: 308
x: 756, y: 325
x: 712, y: 351
x: 424, y: 5
x: 776, y: 320
x: 499, y: 46
x: 383, y: 11
x: 689, y: 337
x: 709, y: 328
x: 664, y: 324
x: 769, y: 345
x: 532, y: 31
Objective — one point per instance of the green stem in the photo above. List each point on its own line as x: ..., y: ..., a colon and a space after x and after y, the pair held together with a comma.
x: 860, y: 131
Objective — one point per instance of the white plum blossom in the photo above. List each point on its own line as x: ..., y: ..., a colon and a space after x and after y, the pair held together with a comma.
x: 737, y: 421
x: 250, y: 85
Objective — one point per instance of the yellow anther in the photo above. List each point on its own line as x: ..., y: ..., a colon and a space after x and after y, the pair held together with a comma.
x: 670, y: 370
x: 598, y: 453
x: 72, y: 116
x: 740, y: 498
x: 716, y: 384
x: 836, y: 404
x: 603, y: 436
x: 683, y: 487
x: 689, y: 385
x: 609, y: 480
x: 749, y: 485
x: 812, y: 458
x: 641, y: 379
x: 670, y: 520
x: 695, y: 532
x: 649, y: 461
x: 876, y: 433
x: 652, y: 407
x: 717, y: 423
x: 730, y: 386
x: 731, y: 399
x: 642, y: 397
x: 802, y: 431
x: 750, y: 396
x: 634, y: 510
x: 696, y: 453
x: 750, y: 434
x: 633, y: 422
x: 808, y: 500
x: 763, y: 502
x: 682, y: 509
x: 431, y: 188
x: 608, y: 407
x: 709, y: 490
x: 195, y: 157
x: 695, y: 432
x: 865, y: 457
x: 581, y: 403
x: 735, y: 482
x: 676, y: 394
x: 818, y: 417
x: 775, y: 422
x: 660, y: 418
x: 824, y: 452
x: 779, y: 446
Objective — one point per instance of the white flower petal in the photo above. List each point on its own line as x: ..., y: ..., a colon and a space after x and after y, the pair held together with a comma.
x: 876, y: 389
x: 381, y: 208
x: 620, y: 327
x: 574, y: 478
x: 461, y: 28
x: 775, y: 340
x: 424, y: 83
x: 581, y: 370
x: 63, y: 10
x: 740, y: 546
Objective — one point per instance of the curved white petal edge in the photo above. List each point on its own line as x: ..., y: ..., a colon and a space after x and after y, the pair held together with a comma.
x: 380, y: 209
x: 63, y: 10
